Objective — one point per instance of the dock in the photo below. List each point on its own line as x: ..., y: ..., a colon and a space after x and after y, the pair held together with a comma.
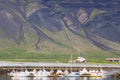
x: 48, y: 66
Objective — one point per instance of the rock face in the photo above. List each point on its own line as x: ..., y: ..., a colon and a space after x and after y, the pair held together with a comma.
x: 60, y: 25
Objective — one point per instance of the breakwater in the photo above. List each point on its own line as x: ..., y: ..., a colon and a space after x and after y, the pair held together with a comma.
x: 31, y: 65
x: 6, y: 67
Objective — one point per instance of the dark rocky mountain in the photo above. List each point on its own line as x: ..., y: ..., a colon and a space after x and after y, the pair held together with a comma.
x: 60, y: 25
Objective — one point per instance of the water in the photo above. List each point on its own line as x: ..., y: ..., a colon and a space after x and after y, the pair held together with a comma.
x: 5, y: 77
x: 105, y: 77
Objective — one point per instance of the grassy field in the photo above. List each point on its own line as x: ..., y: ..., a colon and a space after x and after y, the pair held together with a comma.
x: 19, y: 54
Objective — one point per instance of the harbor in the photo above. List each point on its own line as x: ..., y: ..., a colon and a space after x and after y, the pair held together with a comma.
x: 57, y: 65
x: 31, y: 70
x: 11, y: 65
x: 30, y: 65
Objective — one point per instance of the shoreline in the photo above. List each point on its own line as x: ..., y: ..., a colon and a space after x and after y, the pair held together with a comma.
x: 5, y: 65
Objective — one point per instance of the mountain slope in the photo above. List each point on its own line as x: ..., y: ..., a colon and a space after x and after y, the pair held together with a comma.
x: 60, y: 26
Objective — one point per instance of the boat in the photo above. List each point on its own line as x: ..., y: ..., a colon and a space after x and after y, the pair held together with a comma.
x: 41, y: 73
x: 72, y: 74
x: 94, y: 73
x: 54, y: 74
x: 65, y: 72
x: 84, y: 73
x: 14, y: 73
x: 91, y: 73
x: 33, y: 72
x: 59, y: 73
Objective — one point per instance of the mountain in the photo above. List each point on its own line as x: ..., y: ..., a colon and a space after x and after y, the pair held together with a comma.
x: 60, y: 25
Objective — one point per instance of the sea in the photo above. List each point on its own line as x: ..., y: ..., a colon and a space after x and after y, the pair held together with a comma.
x: 104, y: 77
x: 5, y: 77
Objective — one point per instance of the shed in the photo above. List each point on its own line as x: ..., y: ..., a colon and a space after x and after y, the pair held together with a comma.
x: 113, y: 59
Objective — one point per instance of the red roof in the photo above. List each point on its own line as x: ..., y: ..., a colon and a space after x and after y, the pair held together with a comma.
x: 112, y: 58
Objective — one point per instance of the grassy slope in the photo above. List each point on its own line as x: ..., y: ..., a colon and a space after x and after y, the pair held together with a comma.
x: 20, y: 54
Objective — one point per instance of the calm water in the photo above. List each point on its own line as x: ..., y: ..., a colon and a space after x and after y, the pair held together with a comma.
x: 5, y: 77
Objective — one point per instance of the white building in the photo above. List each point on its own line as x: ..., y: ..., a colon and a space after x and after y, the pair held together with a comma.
x: 80, y: 59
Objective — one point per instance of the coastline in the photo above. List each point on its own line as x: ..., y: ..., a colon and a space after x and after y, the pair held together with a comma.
x: 11, y: 65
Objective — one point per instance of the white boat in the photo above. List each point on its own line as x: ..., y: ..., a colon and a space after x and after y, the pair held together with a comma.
x: 33, y: 72
x: 19, y: 74
x: 72, y: 74
x: 65, y: 72
x: 94, y: 73
x: 59, y: 73
x: 91, y: 73
x: 12, y: 73
x: 84, y: 71
x: 41, y: 73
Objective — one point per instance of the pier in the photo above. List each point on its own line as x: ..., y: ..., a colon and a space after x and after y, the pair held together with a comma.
x: 48, y: 66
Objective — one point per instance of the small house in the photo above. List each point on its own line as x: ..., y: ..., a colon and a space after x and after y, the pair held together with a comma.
x: 79, y: 59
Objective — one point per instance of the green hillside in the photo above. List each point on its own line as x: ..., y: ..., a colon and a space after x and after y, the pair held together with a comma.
x: 22, y: 55
x: 52, y: 30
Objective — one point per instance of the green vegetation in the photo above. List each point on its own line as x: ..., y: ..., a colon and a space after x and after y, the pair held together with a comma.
x: 99, y: 57
x: 20, y: 54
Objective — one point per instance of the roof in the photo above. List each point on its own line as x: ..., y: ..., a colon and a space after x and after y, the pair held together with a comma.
x: 80, y: 59
x: 112, y: 58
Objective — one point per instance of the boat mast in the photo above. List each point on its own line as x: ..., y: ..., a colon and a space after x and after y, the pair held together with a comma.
x: 71, y: 62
